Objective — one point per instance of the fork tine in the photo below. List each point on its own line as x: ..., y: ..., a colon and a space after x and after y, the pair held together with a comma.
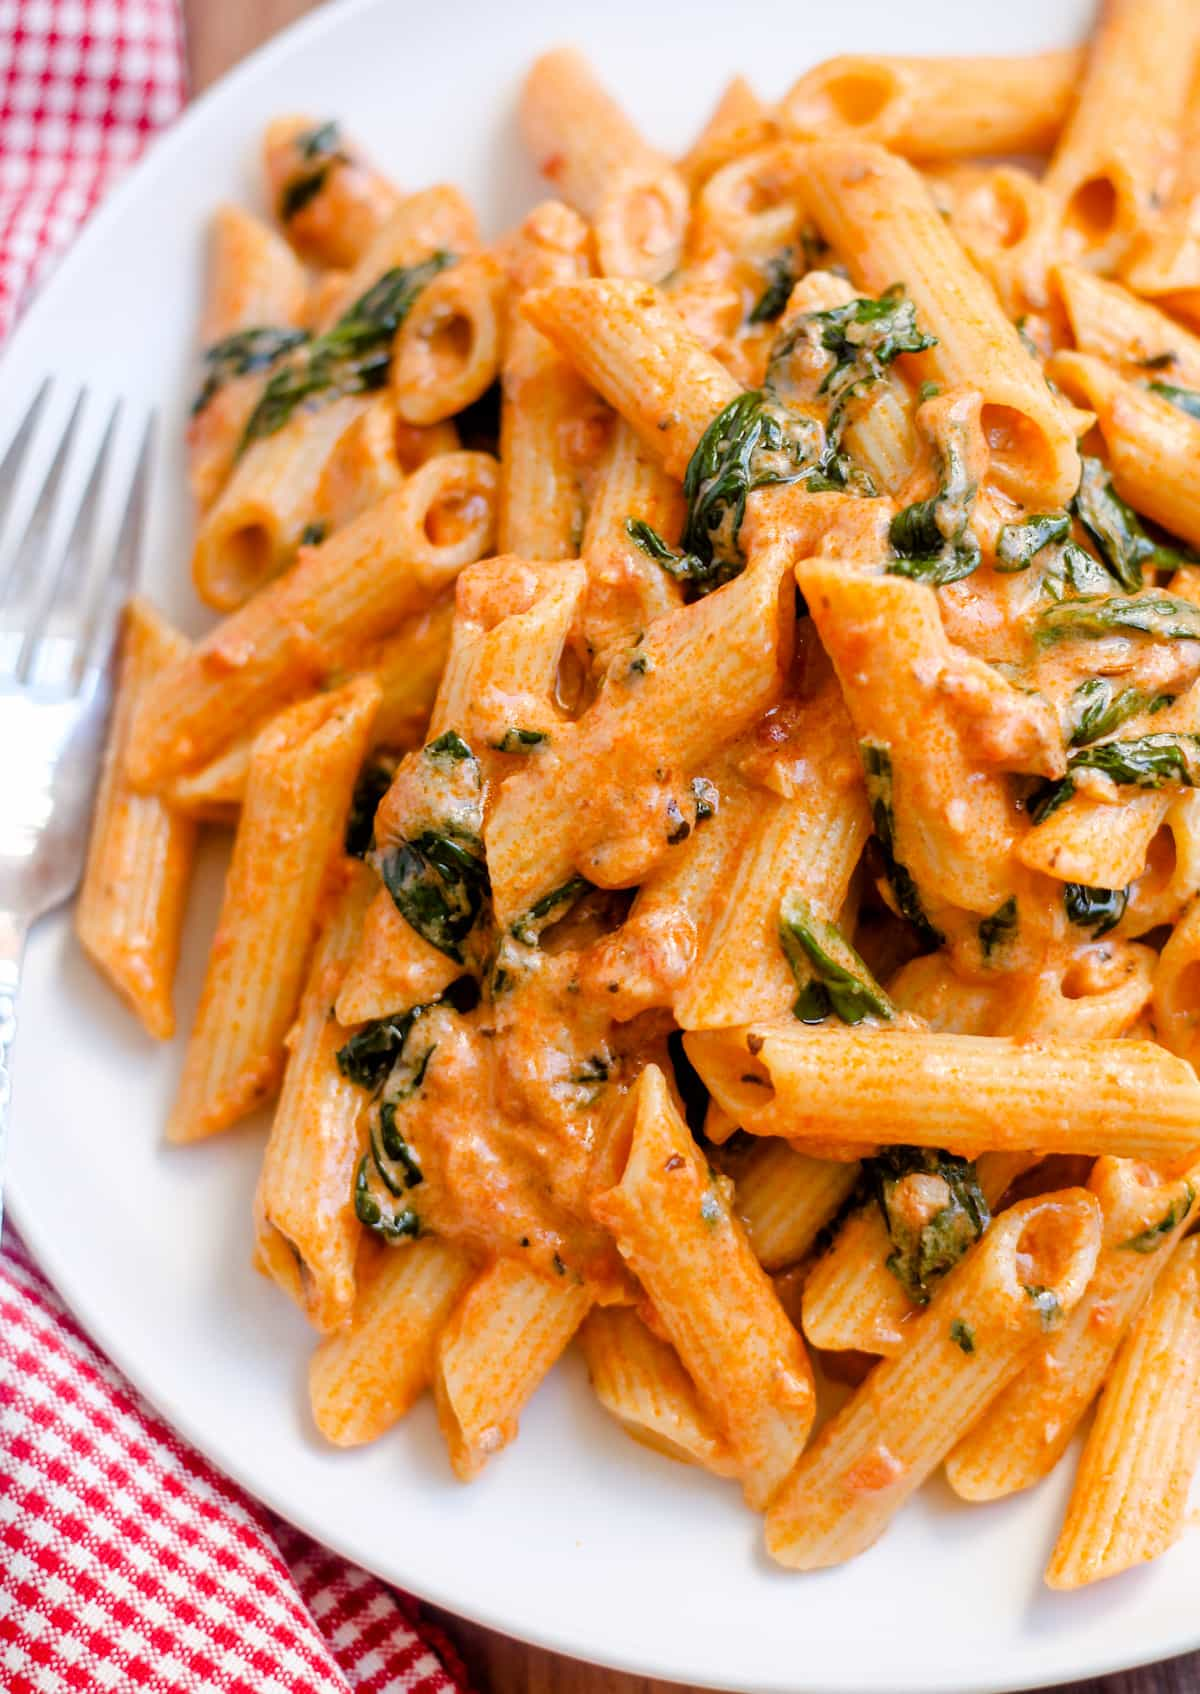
x: 118, y: 584
x: 27, y: 560
x: 71, y: 574
x: 14, y: 456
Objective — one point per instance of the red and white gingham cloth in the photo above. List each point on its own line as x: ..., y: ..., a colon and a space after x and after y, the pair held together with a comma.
x: 126, y: 1560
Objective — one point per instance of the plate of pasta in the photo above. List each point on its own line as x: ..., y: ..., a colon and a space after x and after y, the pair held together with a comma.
x: 646, y: 877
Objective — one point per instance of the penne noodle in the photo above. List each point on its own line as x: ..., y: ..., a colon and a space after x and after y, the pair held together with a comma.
x: 357, y: 587
x: 853, y: 1300
x: 447, y: 351
x: 936, y: 108
x: 1027, y: 1428
x: 253, y: 529
x: 1176, y: 1005
x: 972, y: 1094
x: 1151, y: 445
x: 437, y: 220
x: 636, y: 351
x: 331, y: 203
x: 626, y: 590
x: 739, y: 123
x: 500, y: 676
x: 549, y: 418
x: 1129, y: 1502
x: 130, y: 910
x: 561, y: 817
x: 1116, y: 152
x: 307, y: 1236
x: 1164, y: 261
x: 640, y: 1381
x: 1009, y: 227
x: 583, y: 143
x: 675, y: 1230
x: 302, y: 772
x: 806, y: 840
x: 969, y: 1342
x: 1109, y: 321
x: 506, y: 1332
x: 366, y: 1377
x: 255, y: 289
x: 876, y: 212
x: 784, y: 1200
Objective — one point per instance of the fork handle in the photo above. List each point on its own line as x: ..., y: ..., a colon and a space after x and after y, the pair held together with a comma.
x: 13, y: 930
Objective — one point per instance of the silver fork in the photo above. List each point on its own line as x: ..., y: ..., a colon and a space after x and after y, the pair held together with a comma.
x: 58, y: 628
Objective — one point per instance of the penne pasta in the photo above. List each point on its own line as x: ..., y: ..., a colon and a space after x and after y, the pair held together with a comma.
x: 640, y: 1381
x: 253, y: 307
x: 549, y: 419
x: 506, y: 1332
x: 635, y: 351
x: 1027, y: 1274
x: 936, y: 108
x: 1027, y: 1428
x: 307, y: 1236
x: 874, y: 209
x: 973, y: 1094
x: 366, y: 1377
x: 853, y: 1298
x: 331, y: 203
x: 675, y: 1230
x: 359, y: 586
x: 447, y: 351
x: 302, y: 771
x: 130, y: 910
x: 784, y: 1200
x: 1129, y: 1501
x: 1114, y: 157
x: 584, y: 144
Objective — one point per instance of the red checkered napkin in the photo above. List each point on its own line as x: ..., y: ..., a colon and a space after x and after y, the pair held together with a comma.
x: 126, y: 1560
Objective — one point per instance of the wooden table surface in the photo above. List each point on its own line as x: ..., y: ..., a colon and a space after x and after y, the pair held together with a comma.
x: 219, y: 33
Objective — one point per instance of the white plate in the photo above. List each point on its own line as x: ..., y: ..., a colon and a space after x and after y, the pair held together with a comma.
x: 575, y: 1538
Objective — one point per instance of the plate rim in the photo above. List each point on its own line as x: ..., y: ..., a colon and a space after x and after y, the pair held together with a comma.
x: 328, y: 17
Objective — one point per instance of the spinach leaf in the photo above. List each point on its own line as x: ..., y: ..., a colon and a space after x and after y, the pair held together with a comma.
x: 753, y: 442
x: 239, y: 354
x: 999, y: 929
x: 926, y: 1243
x: 876, y: 759
x: 1144, y: 761
x: 962, y: 1335
x: 549, y: 909
x: 931, y: 538
x: 1116, y: 528
x: 1097, y: 909
x: 1096, y: 710
x: 437, y: 876
x: 781, y: 275
x: 321, y: 148
x: 1184, y: 399
x: 314, y: 533
x: 1047, y: 1303
x: 374, y: 780
x: 821, y: 959
x: 1150, y: 1239
x: 1070, y: 569
x: 377, y: 1210
x: 701, y: 576
x: 439, y: 883
x: 350, y: 358
x: 864, y: 336
x: 520, y: 740
x: 1165, y: 617
x: 1018, y: 544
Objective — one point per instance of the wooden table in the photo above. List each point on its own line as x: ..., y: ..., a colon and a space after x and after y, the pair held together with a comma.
x: 219, y: 33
